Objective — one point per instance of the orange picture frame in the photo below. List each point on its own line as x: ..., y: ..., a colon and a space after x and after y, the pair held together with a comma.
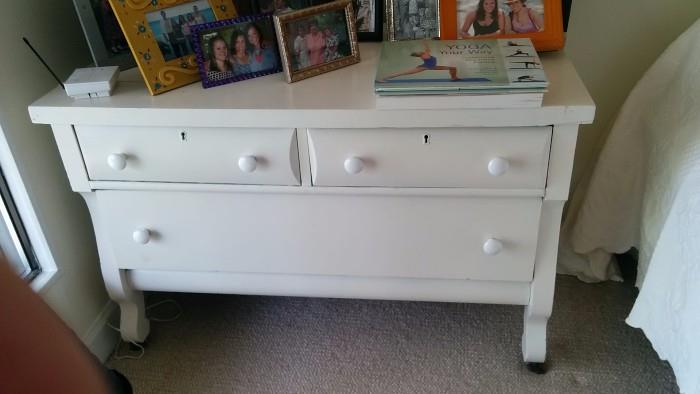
x: 551, y: 38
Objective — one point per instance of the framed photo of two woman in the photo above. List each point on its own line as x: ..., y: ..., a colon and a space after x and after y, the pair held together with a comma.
x: 539, y: 20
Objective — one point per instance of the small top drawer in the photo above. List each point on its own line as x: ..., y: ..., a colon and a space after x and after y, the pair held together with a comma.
x: 201, y: 155
x: 502, y: 158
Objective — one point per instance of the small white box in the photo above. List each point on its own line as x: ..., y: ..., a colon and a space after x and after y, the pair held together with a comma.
x: 92, y: 82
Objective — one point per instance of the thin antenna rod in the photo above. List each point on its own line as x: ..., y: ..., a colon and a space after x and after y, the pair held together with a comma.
x: 43, y: 62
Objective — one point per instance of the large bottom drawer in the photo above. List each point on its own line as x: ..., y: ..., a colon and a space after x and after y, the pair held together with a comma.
x: 357, y: 235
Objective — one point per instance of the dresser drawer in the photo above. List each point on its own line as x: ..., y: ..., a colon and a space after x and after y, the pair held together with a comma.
x: 358, y: 235
x: 202, y: 155
x: 493, y: 158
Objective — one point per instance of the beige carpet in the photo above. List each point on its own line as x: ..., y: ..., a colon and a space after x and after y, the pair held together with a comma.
x: 246, y: 344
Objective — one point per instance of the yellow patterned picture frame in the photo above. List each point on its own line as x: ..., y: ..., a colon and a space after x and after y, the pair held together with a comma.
x: 165, y: 59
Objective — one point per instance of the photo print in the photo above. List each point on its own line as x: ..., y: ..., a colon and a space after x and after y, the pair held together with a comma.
x: 237, y: 49
x: 172, y: 27
x: 491, y: 18
x: 414, y: 19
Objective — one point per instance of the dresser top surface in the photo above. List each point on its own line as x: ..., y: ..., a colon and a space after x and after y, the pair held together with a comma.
x: 341, y: 98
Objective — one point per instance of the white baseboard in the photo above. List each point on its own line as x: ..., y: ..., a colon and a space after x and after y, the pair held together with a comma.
x: 100, y: 338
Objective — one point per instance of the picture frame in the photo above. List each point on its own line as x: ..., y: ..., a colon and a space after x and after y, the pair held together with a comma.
x: 104, y: 37
x: 369, y: 19
x: 317, y: 39
x: 244, y: 59
x: 539, y: 20
x: 413, y: 19
x: 159, y: 35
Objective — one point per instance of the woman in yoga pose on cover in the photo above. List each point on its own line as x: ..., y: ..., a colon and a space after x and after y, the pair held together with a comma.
x: 429, y: 63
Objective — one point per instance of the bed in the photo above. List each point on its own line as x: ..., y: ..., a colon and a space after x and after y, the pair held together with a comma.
x: 645, y: 193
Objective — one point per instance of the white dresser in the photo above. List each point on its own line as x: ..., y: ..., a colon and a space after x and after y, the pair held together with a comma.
x: 262, y: 187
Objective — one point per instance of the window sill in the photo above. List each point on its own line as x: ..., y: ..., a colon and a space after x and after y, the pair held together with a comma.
x: 43, y: 282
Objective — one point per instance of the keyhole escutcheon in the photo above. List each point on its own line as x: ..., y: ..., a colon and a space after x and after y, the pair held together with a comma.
x: 426, y: 139
x: 183, y: 136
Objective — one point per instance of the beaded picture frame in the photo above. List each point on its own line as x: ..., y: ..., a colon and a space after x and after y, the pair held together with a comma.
x: 236, y: 49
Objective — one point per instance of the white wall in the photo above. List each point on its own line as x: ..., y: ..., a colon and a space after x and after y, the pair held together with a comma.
x: 612, y: 43
x: 77, y: 294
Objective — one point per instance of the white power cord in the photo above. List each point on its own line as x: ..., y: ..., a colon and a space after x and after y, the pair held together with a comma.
x: 142, y: 351
x: 115, y: 352
x: 159, y: 303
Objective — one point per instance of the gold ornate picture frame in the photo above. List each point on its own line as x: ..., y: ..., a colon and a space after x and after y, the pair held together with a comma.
x: 159, y: 35
x: 317, y: 40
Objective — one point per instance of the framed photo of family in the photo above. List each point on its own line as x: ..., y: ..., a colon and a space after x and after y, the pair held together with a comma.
x: 539, y: 20
x: 236, y: 49
x: 159, y: 34
x: 318, y: 39
x: 369, y: 17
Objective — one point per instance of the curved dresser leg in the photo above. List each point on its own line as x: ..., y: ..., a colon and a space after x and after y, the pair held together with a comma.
x: 133, y: 325
x: 539, y: 309
x: 534, y: 337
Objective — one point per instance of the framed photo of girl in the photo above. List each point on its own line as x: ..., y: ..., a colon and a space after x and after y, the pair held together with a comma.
x: 539, y: 20
x: 233, y: 50
x: 317, y: 40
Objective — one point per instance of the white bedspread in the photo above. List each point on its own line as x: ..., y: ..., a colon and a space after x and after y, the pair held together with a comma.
x: 645, y: 192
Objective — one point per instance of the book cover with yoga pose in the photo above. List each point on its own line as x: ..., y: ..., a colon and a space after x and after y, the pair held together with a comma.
x: 453, y: 66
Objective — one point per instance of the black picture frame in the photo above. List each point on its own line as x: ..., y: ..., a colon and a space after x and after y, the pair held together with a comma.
x: 104, y: 37
x: 566, y: 10
x: 378, y: 33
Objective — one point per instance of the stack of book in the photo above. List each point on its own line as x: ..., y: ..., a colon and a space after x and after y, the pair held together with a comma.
x: 499, y: 73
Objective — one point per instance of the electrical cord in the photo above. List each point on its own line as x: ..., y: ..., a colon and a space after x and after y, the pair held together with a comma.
x: 142, y: 351
x: 115, y: 352
x: 162, y: 320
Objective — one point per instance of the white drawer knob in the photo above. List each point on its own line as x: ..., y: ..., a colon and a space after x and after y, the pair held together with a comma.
x: 498, y: 166
x: 353, y: 165
x: 247, y: 163
x: 492, y: 247
x: 117, y: 161
x: 141, y: 236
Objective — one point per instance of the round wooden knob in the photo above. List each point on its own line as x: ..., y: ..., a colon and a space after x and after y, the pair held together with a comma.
x: 141, y: 236
x: 117, y: 161
x: 492, y: 247
x: 247, y: 163
x: 353, y: 165
x: 498, y: 166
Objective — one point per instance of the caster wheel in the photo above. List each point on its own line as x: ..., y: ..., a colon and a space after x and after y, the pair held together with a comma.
x: 538, y: 368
